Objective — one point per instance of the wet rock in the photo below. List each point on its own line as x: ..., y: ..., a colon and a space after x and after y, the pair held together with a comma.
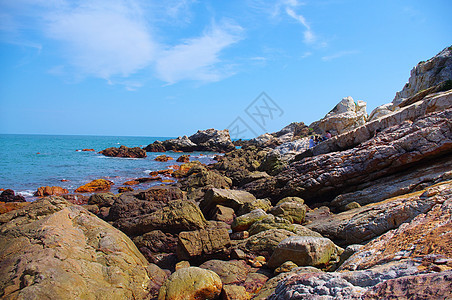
x: 183, y: 158
x: 157, y: 146
x: 9, y: 196
x: 163, y: 158
x: 97, y: 185
x: 304, y: 251
x: 53, y: 249
x: 44, y: 191
x: 124, y: 189
x: 191, y: 283
x: 123, y: 151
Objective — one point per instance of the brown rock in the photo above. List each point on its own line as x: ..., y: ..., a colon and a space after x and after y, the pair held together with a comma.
x: 230, y: 272
x: 234, y: 292
x: 123, y: 151
x: 155, y: 147
x: 223, y: 214
x: 124, y: 189
x: 97, y: 185
x: 163, y: 158
x: 183, y: 158
x: 44, y: 191
x: 88, y: 150
x: 9, y: 206
x: 9, y: 196
x: 203, y: 244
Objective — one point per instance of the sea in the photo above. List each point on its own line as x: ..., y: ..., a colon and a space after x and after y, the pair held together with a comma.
x: 28, y: 162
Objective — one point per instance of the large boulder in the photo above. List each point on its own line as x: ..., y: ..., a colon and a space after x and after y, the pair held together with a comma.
x: 180, y: 144
x: 212, y: 140
x: 345, y: 116
x: 191, y: 283
x: 290, y: 208
x: 304, y: 251
x: 234, y: 199
x: 98, y: 185
x: 427, y: 74
x: 44, y: 191
x: 203, y: 244
x: 245, y: 221
x: 52, y: 249
x: 10, y: 196
x: 123, y: 151
x: 174, y: 217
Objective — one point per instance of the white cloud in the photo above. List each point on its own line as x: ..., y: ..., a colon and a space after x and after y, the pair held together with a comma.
x: 339, y: 55
x: 103, y: 40
x: 309, y: 36
x: 197, y: 58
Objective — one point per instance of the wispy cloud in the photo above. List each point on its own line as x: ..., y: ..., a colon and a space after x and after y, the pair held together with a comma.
x: 339, y: 55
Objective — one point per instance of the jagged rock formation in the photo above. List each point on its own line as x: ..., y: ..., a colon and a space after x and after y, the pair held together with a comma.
x: 203, y: 140
x: 123, y: 151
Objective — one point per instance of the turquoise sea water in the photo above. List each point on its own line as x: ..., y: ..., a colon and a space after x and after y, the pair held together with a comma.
x: 23, y: 170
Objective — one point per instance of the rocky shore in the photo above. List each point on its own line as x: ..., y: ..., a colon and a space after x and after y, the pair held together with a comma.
x: 365, y: 214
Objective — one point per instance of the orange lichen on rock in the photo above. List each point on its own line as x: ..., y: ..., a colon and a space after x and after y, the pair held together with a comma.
x: 50, y: 191
x: 95, y: 186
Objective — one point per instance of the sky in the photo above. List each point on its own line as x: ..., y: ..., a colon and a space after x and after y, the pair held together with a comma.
x: 170, y: 68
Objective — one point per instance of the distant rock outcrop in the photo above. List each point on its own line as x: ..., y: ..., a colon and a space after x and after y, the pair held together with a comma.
x: 203, y: 140
x: 123, y: 151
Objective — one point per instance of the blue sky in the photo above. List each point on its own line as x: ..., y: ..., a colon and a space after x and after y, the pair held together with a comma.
x: 169, y: 68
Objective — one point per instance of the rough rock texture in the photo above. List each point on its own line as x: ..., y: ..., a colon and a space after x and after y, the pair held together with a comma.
x: 191, y: 283
x: 203, y: 140
x: 234, y: 292
x: 345, y: 116
x: 427, y: 74
x: 245, y: 221
x: 44, y: 191
x: 234, y: 199
x: 290, y: 208
x: 134, y: 204
x: 291, y: 132
x: 123, y: 151
x: 97, y: 185
x: 54, y: 250
x: 287, y: 151
x: 174, y: 217
x: 304, y: 251
x: 430, y: 233
x: 203, y: 244
x: 412, y: 112
x: 9, y: 196
x: 183, y: 158
x: 157, y: 241
x: 396, y: 148
x: 102, y: 199
x: 9, y: 206
x: 163, y: 158
x: 364, y: 223
x: 212, y: 140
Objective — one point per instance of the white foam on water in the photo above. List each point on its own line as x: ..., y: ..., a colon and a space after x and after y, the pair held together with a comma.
x: 26, y: 193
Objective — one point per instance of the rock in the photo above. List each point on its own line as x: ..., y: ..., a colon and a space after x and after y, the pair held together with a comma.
x: 244, y: 222
x: 88, y: 150
x: 326, y: 176
x: 53, y: 249
x: 180, y: 144
x: 157, y: 146
x: 345, y: 116
x: 183, y: 158
x: 285, y: 267
x: 230, y: 272
x: 241, y: 235
x: 270, y: 222
x: 94, y: 209
x: 290, y: 208
x: 304, y: 251
x: 10, y: 206
x: 273, y: 163
x: 163, y: 158
x: 247, y: 207
x: 191, y: 283
x: 234, y: 199
x: 124, y: 189
x: 223, y: 214
x: 174, y: 217
x: 50, y: 191
x: 423, y: 286
x: 255, y: 175
x: 134, y: 204
x: 212, y: 140
x: 123, y: 151
x: 234, y: 292
x: 77, y: 199
x: 291, y: 132
x: 198, y: 180
x: 367, y: 222
x: 352, y: 205
x: 157, y: 241
x: 427, y: 74
x: 237, y: 254
x: 102, y: 199
x: 203, y: 244
x: 9, y: 196
x: 287, y: 151
x: 427, y: 234
x: 97, y: 185
x: 182, y: 264
x: 265, y: 140
x: 265, y: 242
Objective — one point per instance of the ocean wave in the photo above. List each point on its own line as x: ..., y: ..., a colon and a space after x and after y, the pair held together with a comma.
x: 26, y: 193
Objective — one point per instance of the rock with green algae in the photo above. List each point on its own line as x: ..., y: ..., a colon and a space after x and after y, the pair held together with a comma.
x: 191, y: 283
x: 245, y: 221
x: 290, y: 208
x: 52, y: 249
